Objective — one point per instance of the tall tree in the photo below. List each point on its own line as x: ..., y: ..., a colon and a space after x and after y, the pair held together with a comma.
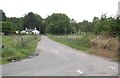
x: 115, y: 26
x: 74, y: 24
x: 31, y: 21
x: 16, y: 23
x: 58, y: 23
x: 85, y: 26
x: 7, y: 27
x: 3, y: 16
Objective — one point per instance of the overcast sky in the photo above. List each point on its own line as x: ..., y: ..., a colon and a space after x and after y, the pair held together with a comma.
x: 76, y: 9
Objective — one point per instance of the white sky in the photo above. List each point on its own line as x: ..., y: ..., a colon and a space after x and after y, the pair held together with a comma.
x: 77, y: 9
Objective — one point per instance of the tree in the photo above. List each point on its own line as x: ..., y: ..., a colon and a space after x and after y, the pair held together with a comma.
x: 85, y: 26
x: 74, y: 24
x: 108, y: 25
x: 7, y: 27
x: 42, y: 27
x: 3, y: 16
x: 31, y: 21
x: 16, y: 23
x: 115, y: 26
x: 102, y: 25
x: 58, y: 23
x: 96, y: 25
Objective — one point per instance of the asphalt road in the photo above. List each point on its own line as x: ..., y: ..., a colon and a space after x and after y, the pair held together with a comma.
x: 56, y: 59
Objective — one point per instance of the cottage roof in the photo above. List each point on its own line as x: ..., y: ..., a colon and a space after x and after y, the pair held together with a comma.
x: 29, y: 30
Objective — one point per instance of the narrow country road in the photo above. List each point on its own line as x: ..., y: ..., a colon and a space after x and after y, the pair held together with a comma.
x: 56, y: 59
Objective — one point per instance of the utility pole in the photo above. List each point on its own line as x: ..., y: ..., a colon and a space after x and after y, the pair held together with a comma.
x: 39, y: 29
x: 65, y: 30
x: 39, y: 32
x: 74, y: 31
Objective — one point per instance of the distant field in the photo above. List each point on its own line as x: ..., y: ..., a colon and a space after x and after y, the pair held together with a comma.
x: 16, y: 47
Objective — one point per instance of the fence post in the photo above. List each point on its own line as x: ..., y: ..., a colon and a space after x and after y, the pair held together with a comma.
x: 22, y: 42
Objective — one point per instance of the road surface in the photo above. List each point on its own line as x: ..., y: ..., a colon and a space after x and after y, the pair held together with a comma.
x: 56, y: 59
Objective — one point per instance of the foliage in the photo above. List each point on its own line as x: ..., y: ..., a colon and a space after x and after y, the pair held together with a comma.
x: 106, y: 24
x: 58, y: 23
x: 16, y: 23
x: 32, y: 21
x: 42, y: 27
x: 74, y: 24
x: 115, y: 26
x: 85, y: 26
x: 7, y: 27
x: 29, y: 21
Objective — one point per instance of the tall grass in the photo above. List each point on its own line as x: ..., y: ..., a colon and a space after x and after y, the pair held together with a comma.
x: 17, y: 47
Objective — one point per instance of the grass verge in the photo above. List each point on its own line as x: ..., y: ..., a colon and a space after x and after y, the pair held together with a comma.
x: 98, y: 45
x: 17, y: 47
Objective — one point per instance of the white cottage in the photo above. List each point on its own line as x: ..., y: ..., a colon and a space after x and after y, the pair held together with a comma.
x: 30, y: 31
x: 35, y: 31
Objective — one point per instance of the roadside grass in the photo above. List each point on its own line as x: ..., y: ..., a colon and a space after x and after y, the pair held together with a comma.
x: 98, y: 45
x: 79, y: 42
x: 0, y: 49
x: 17, y: 47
